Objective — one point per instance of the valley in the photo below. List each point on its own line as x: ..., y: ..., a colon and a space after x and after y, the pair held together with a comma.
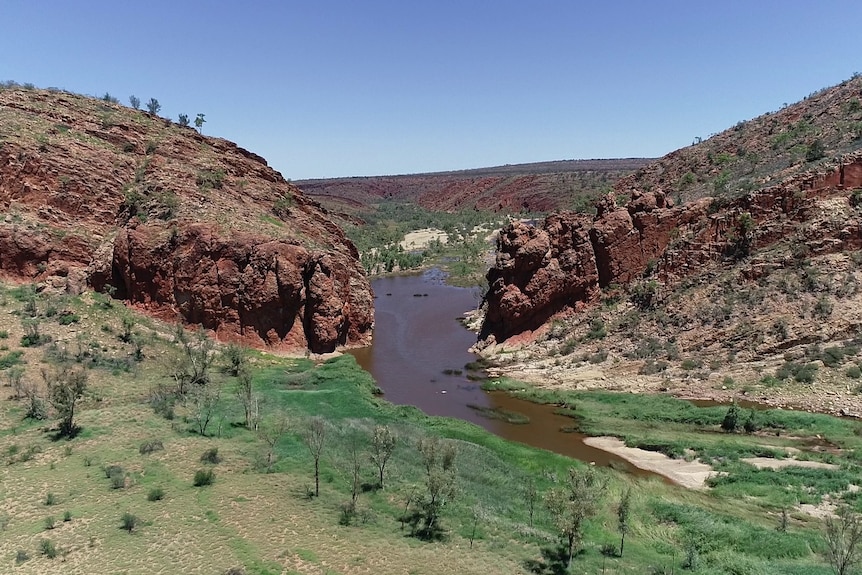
x: 183, y: 334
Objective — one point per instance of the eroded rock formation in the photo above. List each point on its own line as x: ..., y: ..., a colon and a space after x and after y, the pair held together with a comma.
x: 565, y: 263
x: 183, y: 226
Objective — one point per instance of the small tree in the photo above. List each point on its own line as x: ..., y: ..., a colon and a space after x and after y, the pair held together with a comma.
x: 750, y: 425
x: 66, y: 387
x: 572, y: 504
x: 731, y: 419
x: 203, y: 404
x: 128, y: 321
x: 531, y: 495
x: 438, y: 458
x: 842, y: 535
x: 135, y: 102
x: 383, y: 443
x: 183, y: 120
x: 314, y: 437
x: 199, y: 123
x: 623, y: 517
x: 194, y: 362
x: 236, y: 359
x: 249, y: 400
x: 270, y: 431
x: 153, y: 106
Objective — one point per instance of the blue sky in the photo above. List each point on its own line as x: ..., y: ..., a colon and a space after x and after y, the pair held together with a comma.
x: 325, y: 88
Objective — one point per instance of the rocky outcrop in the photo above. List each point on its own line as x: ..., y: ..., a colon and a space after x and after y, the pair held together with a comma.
x: 245, y: 287
x: 566, y: 262
x: 180, y: 225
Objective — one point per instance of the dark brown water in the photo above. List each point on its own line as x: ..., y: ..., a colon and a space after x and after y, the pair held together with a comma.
x: 417, y: 337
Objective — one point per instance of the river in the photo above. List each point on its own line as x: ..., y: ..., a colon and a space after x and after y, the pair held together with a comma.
x: 418, y: 357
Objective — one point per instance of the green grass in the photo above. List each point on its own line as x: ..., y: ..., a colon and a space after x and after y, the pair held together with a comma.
x: 265, y: 522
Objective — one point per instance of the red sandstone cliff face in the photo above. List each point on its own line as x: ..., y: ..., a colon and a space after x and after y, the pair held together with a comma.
x: 566, y: 262
x: 184, y: 226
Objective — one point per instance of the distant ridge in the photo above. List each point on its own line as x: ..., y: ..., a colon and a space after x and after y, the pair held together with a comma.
x: 535, y: 187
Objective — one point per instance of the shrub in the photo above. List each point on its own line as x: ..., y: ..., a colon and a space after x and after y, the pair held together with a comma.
x: 150, y: 446
x: 853, y: 372
x: 210, y: 179
x: 156, y: 494
x: 598, y: 357
x: 67, y: 516
x: 211, y: 456
x: 47, y: 548
x: 282, y: 206
x: 597, y: 329
x: 129, y: 522
x: 731, y: 419
x: 117, y: 476
x: 135, y: 102
x: 689, y: 364
x: 21, y: 556
x: 203, y: 477
x: 50, y: 499
x: 10, y: 359
x: 67, y: 318
x: 652, y: 367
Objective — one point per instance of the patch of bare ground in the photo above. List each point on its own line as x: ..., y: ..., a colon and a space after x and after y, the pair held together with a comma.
x: 770, y: 463
x: 689, y: 474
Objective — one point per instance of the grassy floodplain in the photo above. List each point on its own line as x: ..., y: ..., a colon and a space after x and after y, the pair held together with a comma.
x: 131, y: 460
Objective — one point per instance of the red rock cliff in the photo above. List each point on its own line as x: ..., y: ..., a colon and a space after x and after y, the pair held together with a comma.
x: 567, y: 261
x: 184, y: 226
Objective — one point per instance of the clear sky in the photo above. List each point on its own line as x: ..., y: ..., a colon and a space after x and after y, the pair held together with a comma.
x: 325, y: 88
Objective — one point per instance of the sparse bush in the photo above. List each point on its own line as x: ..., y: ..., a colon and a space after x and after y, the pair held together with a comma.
x: 203, y: 477
x: 823, y: 307
x: 135, y: 102
x: 47, y: 548
x: 117, y: 476
x: 50, y: 522
x: 651, y: 367
x: 21, y: 556
x: 689, y: 364
x: 853, y: 372
x: 50, y: 499
x: 129, y: 522
x: 156, y: 494
x: 210, y: 179
x: 211, y: 456
x: 183, y: 120
x: 597, y: 329
x: 150, y: 446
x: 644, y: 294
x: 281, y: 207
x: 599, y: 357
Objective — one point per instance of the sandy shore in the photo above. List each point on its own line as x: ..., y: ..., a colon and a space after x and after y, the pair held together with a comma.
x: 420, y: 239
x: 690, y: 474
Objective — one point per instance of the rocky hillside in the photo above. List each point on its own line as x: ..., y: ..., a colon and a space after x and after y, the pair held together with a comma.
x: 760, y: 152
x: 759, y: 287
x: 180, y: 225
x: 537, y: 187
